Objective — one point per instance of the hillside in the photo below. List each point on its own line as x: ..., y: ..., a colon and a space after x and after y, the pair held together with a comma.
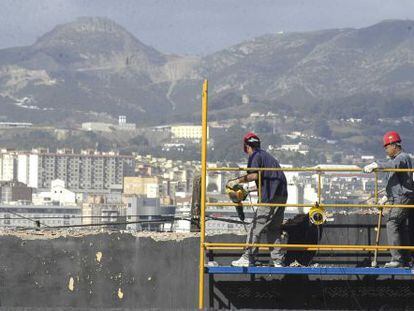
x: 93, y: 68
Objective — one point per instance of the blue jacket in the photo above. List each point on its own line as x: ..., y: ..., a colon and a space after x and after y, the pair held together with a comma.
x: 274, y: 185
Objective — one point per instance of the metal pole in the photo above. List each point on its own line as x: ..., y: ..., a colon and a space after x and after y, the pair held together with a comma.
x: 327, y: 205
x: 374, y: 263
x: 305, y: 169
x: 319, y: 187
x: 342, y: 247
x: 204, y: 104
x: 259, y: 192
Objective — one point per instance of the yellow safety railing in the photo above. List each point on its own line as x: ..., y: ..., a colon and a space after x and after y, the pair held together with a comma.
x: 203, y: 194
x: 308, y: 247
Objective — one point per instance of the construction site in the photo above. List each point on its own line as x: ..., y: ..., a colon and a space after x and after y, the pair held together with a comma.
x: 206, y: 155
x: 335, y: 256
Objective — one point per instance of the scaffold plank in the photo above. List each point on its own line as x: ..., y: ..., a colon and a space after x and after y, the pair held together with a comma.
x: 309, y: 270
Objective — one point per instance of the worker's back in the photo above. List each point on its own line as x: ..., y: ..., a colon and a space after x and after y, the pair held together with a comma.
x: 400, y: 184
x: 273, y: 183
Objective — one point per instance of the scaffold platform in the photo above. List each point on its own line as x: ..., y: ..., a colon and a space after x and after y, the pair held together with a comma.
x: 309, y: 270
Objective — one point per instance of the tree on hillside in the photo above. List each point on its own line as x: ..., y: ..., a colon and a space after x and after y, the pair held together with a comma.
x: 322, y: 129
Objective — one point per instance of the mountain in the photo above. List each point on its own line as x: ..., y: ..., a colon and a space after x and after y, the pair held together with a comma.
x: 323, y: 68
x: 93, y: 69
x: 90, y: 68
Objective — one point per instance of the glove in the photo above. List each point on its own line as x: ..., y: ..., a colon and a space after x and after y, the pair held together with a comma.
x: 383, y: 200
x: 370, y: 167
x: 231, y: 183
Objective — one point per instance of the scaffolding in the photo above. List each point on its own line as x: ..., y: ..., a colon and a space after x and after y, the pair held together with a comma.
x: 208, y: 246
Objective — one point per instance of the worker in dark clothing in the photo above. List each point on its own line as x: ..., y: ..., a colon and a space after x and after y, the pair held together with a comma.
x: 399, y: 190
x: 273, y: 190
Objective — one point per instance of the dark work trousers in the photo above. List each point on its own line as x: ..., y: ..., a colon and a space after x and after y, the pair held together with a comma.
x: 398, y: 232
x: 411, y: 228
x: 267, y: 220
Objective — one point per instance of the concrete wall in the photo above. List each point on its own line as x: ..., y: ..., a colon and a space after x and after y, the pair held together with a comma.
x: 122, y: 271
x: 103, y: 270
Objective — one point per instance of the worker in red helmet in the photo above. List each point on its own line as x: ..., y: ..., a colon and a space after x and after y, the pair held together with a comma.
x: 273, y: 190
x: 399, y: 190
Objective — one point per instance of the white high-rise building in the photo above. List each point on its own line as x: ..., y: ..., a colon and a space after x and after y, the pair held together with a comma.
x: 28, y: 169
x: 84, y: 172
x: 23, y: 168
x: 8, y: 165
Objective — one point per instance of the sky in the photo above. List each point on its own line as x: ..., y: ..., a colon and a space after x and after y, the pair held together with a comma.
x: 196, y: 27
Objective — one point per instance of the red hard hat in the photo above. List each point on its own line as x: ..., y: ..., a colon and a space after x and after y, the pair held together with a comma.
x: 391, y: 137
x: 249, y: 139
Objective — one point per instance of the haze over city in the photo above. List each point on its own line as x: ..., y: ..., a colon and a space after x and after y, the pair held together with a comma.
x: 196, y: 27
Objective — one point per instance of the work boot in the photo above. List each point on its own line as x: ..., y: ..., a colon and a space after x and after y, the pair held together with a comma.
x: 394, y: 264
x: 244, y: 261
x: 409, y: 263
x: 278, y: 263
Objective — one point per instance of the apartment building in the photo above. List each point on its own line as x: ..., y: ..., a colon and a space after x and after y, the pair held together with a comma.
x: 33, y: 216
x: 187, y: 131
x: 146, y: 186
x: 8, y: 165
x: 81, y: 172
x: 102, y: 209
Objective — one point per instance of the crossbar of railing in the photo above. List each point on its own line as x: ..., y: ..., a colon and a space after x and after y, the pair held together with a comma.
x: 306, y: 169
x: 336, y: 247
x: 328, y: 205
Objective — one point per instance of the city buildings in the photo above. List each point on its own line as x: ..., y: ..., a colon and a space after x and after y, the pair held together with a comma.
x: 98, y: 127
x: 145, y: 186
x: 14, y: 191
x: 123, y: 125
x: 87, y: 171
x: 8, y: 165
x: 58, y: 195
x: 14, y: 125
x: 104, y: 209
x: 143, y: 192
x: 301, y: 148
x: 148, y: 214
x: 37, y: 216
x: 109, y: 127
x: 187, y: 131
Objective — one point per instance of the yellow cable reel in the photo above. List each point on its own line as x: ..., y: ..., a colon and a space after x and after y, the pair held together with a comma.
x: 317, y: 215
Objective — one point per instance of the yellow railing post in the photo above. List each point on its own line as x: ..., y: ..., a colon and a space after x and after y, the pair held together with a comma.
x: 204, y: 104
x: 378, y: 233
x: 259, y: 191
x: 319, y: 187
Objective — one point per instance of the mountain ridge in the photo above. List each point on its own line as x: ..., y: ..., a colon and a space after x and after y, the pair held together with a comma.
x: 93, y: 66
